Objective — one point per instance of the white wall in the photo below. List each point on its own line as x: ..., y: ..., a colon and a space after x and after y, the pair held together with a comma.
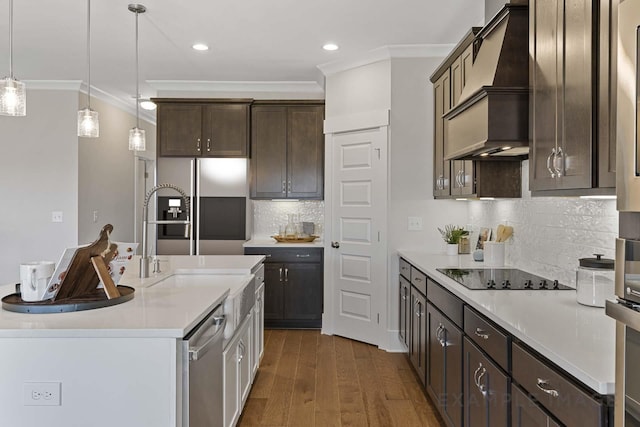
x: 550, y: 233
x: 106, y: 174
x: 38, y: 175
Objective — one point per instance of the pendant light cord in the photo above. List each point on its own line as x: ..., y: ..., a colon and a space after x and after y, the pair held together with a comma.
x: 137, y: 77
x: 11, y: 39
x: 89, y: 54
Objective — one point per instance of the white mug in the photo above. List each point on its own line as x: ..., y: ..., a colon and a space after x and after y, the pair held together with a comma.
x: 494, y: 254
x: 34, y: 279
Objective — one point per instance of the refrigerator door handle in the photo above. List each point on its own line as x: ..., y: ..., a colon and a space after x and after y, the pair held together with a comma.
x: 196, y: 177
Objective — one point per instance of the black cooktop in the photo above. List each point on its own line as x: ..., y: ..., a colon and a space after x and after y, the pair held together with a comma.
x: 501, y: 279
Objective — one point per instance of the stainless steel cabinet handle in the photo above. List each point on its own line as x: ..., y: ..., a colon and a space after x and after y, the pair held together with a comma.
x: 289, y: 187
x: 440, y: 182
x: 335, y: 245
x: 198, y: 144
x: 543, y: 385
x: 208, y: 144
x: 284, y: 187
x: 286, y: 274
x: 418, y: 279
x: 281, y: 274
x: 481, y: 333
x: 553, y: 154
x: 558, y: 163
x: 482, y: 387
x: 302, y: 255
x: 241, y: 354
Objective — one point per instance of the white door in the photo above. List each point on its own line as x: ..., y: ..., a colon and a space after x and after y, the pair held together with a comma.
x: 358, y: 248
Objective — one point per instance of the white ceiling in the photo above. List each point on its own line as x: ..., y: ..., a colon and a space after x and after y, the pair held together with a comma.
x: 250, y: 40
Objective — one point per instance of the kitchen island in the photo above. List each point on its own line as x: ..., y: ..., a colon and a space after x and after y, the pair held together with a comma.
x: 118, y: 365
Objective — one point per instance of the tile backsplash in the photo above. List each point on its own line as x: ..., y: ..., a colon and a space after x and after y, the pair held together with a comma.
x: 550, y: 233
x: 269, y: 215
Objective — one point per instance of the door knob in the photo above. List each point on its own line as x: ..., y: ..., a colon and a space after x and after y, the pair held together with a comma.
x: 335, y: 244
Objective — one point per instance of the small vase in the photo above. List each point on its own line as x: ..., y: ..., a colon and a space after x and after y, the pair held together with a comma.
x: 452, y: 249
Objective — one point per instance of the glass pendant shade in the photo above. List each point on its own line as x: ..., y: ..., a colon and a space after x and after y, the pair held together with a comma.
x: 13, y: 97
x: 88, y: 124
x: 137, y: 140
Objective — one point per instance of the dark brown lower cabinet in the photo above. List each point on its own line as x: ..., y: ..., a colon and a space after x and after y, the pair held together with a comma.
x: 526, y: 413
x: 444, y: 366
x: 405, y: 311
x: 418, y: 341
x: 486, y: 390
x: 293, y: 287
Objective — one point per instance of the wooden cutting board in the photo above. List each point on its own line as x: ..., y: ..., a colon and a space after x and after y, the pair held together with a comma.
x: 81, y: 277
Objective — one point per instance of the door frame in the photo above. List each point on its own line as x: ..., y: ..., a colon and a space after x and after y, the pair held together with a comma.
x: 336, y: 125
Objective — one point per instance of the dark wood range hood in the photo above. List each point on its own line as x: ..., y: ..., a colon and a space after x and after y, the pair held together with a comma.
x: 491, y: 119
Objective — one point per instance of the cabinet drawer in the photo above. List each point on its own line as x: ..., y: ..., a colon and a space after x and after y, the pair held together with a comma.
x: 566, y: 401
x: 419, y: 280
x: 445, y: 301
x: 405, y: 269
x: 287, y: 254
x: 488, y: 337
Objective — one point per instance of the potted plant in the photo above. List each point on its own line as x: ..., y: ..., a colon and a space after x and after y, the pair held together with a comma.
x: 451, y: 235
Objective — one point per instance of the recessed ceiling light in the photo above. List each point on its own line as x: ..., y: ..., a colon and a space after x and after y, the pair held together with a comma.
x: 330, y: 46
x: 147, y: 105
x: 200, y: 46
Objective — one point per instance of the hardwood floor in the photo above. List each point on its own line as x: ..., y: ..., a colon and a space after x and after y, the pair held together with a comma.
x: 311, y: 380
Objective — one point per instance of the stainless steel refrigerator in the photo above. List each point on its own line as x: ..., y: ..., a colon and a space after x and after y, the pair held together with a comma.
x: 218, y: 188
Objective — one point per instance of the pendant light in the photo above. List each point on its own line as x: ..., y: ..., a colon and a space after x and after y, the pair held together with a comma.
x: 137, y: 140
x: 13, y: 94
x: 88, y: 124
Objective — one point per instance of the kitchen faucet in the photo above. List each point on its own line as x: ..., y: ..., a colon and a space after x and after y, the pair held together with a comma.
x: 144, y: 260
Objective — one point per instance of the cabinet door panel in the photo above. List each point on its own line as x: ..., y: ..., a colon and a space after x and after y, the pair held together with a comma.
x: 546, y: 78
x: 441, y: 170
x: 231, y: 386
x: 179, y: 130
x: 226, y: 130
x: 305, y: 154
x: 273, y: 291
x: 485, y: 390
x: 303, y: 291
x: 268, y: 152
x: 526, y: 413
x: 404, y: 299
x: 453, y: 400
x: 418, y: 333
x: 435, y: 355
x: 577, y: 138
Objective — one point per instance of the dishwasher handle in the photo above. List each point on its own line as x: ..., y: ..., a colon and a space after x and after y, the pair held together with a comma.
x: 196, y: 353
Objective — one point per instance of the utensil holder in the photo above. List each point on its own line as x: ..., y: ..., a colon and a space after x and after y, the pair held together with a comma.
x: 494, y: 254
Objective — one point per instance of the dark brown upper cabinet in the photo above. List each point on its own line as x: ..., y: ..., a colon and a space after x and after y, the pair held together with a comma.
x: 287, y: 150
x: 464, y: 178
x: 572, y: 150
x: 203, y: 127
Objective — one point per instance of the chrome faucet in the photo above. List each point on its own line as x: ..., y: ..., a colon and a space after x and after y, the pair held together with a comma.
x: 144, y: 260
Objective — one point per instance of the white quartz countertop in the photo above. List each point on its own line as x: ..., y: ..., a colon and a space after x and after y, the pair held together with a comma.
x: 268, y: 242
x: 168, y: 304
x: 578, y: 338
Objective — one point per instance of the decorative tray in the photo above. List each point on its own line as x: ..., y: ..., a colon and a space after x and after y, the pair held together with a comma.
x: 95, y: 299
x: 307, y: 239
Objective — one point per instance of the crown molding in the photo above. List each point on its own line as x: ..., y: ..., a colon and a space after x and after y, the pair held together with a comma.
x: 385, y: 53
x: 301, y: 87
x: 128, y: 107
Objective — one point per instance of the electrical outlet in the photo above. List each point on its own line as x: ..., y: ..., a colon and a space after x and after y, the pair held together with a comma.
x: 56, y: 216
x: 95, y: 216
x: 415, y: 223
x: 42, y: 394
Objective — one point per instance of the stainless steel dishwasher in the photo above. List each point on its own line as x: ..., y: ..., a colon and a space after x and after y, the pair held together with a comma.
x: 202, y: 372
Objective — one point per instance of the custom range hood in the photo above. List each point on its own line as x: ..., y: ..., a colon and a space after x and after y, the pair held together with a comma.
x: 492, y: 116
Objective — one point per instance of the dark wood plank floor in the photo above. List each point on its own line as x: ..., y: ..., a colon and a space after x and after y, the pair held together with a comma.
x: 311, y: 380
